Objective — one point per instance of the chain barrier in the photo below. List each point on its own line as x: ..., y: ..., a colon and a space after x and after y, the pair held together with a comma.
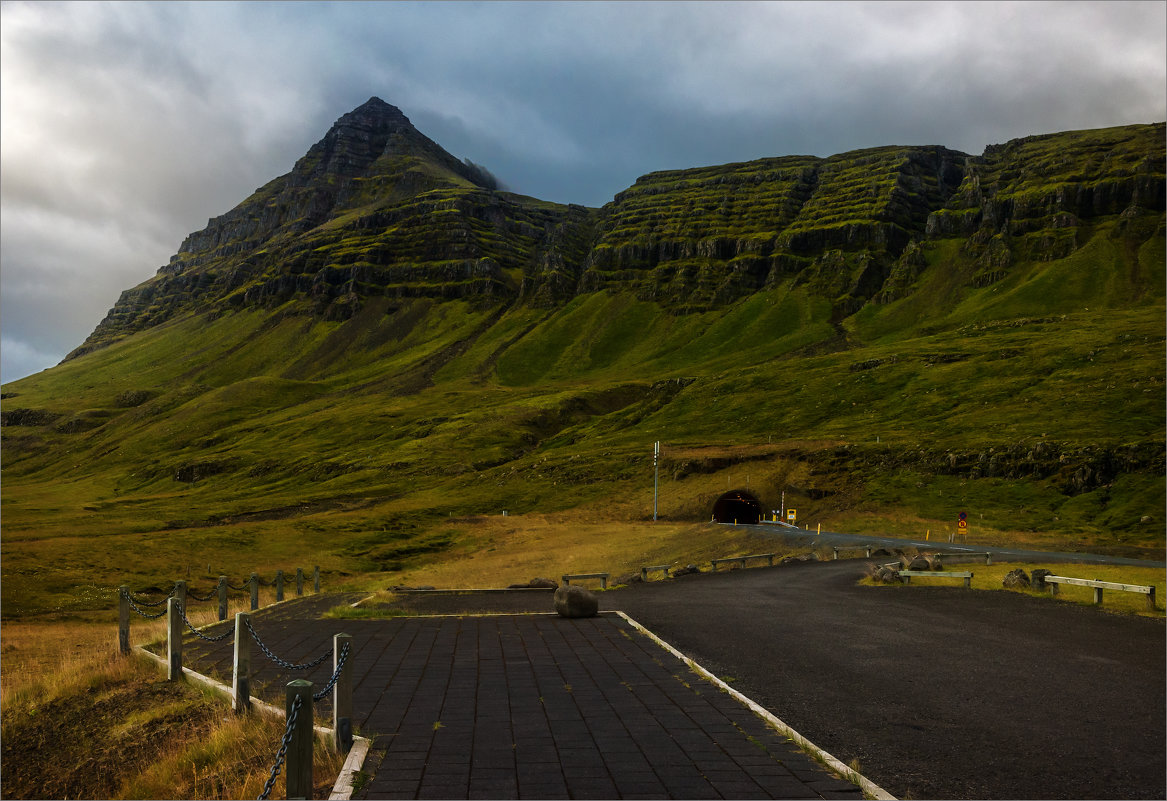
x: 275, y: 769
x: 137, y: 609
x: 198, y: 633
x: 320, y: 696
x: 157, y: 603
x: 193, y: 597
x: 240, y: 588
x: 276, y: 659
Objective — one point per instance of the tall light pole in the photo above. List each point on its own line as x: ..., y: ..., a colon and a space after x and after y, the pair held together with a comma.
x: 655, y: 477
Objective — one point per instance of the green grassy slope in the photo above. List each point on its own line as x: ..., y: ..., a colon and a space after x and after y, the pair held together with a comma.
x: 979, y: 371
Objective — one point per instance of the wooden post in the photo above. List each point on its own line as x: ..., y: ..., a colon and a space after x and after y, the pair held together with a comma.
x: 222, y: 597
x: 299, y: 581
x: 1097, y: 594
x: 124, y: 619
x: 299, y: 758
x: 1053, y: 589
x: 241, y: 670
x: 279, y: 586
x: 254, y: 591
x: 988, y: 558
x: 1151, y: 599
x: 316, y: 579
x: 180, y: 594
x: 868, y: 551
x: 173, y: 639
x: 644, y: 574
x: 836, y: 549
x: 342, y: 696
x: 968, y: 582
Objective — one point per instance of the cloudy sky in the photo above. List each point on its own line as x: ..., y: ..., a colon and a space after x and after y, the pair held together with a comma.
x: 126, y: 126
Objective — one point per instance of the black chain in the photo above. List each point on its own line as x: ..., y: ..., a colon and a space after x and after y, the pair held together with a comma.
x: 240, y: 588
x: 276, y: 659
x: 157, y: 603
x: 198, y: 633
x: 146, y: 615
x: 275, y: 769
x: 335, y: 675
x: 192, y: 596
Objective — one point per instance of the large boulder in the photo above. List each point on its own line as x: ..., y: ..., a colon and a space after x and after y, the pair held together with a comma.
x: 1037, y: 578
x: 686, y: 570
x: 1016, y: 580
x: 576, y: 602
x: 919, y: 562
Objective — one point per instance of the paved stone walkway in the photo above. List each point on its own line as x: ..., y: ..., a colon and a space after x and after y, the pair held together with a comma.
x: 533, y: 706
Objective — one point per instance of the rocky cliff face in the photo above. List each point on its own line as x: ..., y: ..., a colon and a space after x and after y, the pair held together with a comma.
x: 378, y: 209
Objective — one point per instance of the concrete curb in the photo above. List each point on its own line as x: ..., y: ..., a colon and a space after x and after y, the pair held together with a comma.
x: 870, y: 788
x: 342, y: 789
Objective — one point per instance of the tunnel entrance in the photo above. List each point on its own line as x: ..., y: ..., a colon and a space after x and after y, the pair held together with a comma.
x: 737, y: 505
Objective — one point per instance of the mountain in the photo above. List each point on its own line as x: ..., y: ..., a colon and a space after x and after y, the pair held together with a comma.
x: 382, y: 338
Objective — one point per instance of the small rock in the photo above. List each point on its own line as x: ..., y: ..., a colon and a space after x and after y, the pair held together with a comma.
x: 539, y: 583
x: 887, y: 575
x: 1037, y: 578
x: 1016, y: 579
x: 686, y: 570
x: 576, y: 602
x: 881, y: 552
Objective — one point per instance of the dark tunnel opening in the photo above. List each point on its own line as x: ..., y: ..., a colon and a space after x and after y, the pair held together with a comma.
x: 739, y: 506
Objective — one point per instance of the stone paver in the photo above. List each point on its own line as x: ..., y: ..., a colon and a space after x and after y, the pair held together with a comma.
x: 533, y: 706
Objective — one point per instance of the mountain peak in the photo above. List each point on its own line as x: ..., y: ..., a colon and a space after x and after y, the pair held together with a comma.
x: 375, y: 110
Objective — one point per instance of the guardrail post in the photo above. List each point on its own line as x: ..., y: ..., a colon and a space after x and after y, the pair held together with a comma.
x: 254, y: 591
x: 124, y: 619
x: 868, y: 551
x: 299, y: 776
x: 988, y: 558
x: 1098, y: 595
x: 316, y: 579
x: 180, y: 594
x: 1053, y: 589
x: 836, y: 550
x: 644, y: 574
x: 299, y: 581
x: 222, y: 597
x: 279, y: 586
x: 173, y: 639
x: 241, y: 670
x: 342, y: 696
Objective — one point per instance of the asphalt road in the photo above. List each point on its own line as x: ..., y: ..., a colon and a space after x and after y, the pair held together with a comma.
x: 804, y: 538
x: 939, y: 692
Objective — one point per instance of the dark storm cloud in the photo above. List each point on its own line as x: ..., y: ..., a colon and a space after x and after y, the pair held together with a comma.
x: 126, y: 126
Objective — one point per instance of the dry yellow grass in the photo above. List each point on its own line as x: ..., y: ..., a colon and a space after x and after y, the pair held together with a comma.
x: 510, y: 550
